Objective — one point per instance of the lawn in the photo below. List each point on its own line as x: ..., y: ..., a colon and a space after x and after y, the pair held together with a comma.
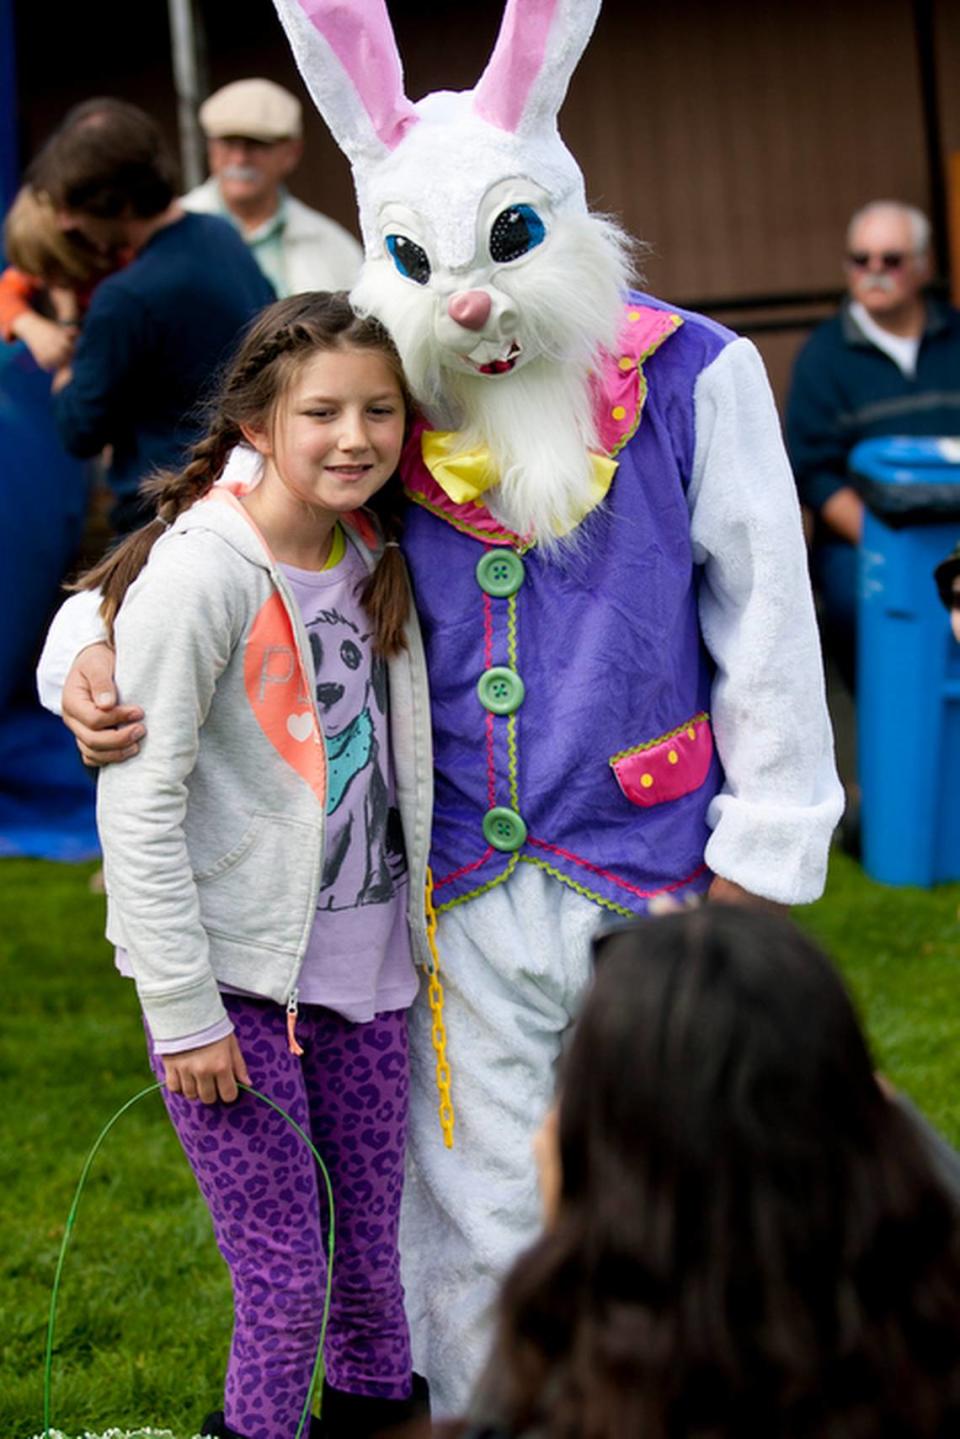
x: 144, y: 1310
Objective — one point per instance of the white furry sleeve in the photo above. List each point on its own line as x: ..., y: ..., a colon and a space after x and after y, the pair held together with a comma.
x: 76, y: 625
x: 773, y: 819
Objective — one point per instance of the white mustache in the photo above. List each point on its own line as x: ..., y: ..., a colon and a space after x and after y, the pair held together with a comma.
x: 248, y: 173
x: 879, y: 281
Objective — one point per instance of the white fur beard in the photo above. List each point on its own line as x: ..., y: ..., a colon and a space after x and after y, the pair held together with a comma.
x: 539, y: 429
x: 537, y: 421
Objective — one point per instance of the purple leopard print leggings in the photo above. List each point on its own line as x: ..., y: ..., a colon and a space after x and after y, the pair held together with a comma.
x: 349, y: 1092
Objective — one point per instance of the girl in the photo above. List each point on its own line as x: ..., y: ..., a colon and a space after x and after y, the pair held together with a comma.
x: 262, y: 849
x: 47, y: 271
x: 745, y: 1236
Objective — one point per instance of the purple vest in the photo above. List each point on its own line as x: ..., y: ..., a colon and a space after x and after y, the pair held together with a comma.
x: 570, y: 696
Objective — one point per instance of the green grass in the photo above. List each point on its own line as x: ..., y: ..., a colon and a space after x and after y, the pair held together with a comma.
x: 899, y: 950
x: 145, y: 1311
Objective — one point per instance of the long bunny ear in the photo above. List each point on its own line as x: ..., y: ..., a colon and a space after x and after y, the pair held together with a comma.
x: 537, y: 50
x: 346, y: 52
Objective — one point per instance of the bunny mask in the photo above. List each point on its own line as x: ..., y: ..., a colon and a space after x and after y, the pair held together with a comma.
x: 482, y: 260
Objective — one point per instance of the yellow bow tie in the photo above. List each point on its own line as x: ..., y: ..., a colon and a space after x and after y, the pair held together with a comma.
x: 466, y: 474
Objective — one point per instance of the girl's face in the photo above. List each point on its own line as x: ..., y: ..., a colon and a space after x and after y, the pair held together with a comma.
x: 337, y: 431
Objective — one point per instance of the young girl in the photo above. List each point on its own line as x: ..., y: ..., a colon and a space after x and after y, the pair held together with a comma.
x: 49, y: 269
x: 745, y: 1235
x: 262, y: 850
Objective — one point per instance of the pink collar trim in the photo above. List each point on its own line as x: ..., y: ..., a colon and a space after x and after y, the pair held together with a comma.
x: 619, y: 393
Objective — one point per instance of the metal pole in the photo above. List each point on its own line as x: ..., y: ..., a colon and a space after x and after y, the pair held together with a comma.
x: 184, y: 42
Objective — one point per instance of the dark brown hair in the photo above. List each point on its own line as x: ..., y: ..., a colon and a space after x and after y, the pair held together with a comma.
x: 107, y: 159
x: 751, y: 1239
x: 279, y: 341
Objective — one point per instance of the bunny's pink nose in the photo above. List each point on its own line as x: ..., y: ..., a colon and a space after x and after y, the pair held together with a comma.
x: 470, y: 308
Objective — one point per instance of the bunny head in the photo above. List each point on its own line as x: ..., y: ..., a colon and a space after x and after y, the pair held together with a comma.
x: 482, y: 260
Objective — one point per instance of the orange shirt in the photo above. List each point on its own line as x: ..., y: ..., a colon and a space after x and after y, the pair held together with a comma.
x: 17, y: 291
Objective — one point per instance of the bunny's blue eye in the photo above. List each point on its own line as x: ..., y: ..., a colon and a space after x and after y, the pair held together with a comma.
x: 409, y: 258
x: 515, y: 231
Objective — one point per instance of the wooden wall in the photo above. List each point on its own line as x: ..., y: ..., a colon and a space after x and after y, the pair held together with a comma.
x: 735, y: 139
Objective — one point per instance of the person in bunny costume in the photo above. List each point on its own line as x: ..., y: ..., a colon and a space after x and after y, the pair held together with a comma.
x: 608, y: 563
x: 607, y: 558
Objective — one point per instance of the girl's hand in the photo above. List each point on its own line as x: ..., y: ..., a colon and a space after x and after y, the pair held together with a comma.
x: 208, y: 1073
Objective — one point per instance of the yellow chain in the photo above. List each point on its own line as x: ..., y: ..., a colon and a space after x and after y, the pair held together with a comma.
x: 439, y: 1032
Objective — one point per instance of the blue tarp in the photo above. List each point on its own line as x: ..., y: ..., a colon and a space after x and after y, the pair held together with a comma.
x: 46, y: 795
x: 46, y: 798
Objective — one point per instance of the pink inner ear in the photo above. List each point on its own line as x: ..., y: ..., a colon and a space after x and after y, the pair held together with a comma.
x: 517, y: 59
x: 359, y: 34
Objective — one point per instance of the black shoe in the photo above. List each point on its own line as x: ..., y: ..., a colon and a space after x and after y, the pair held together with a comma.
x: 363, y: 1416
x: 217, y: 1427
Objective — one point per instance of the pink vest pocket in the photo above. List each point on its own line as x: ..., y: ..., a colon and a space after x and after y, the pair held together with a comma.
x: 667, y: 767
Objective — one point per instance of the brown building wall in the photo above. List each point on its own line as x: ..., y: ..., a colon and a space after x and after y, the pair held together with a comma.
x: 736, y: 139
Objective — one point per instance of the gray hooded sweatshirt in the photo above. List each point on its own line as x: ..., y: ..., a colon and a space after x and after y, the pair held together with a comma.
x: 213, y: 835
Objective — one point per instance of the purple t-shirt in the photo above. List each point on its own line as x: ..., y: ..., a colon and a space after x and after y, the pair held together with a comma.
x: 358, y: 959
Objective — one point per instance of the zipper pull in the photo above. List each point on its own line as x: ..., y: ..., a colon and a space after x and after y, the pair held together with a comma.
x: 292, y: 1044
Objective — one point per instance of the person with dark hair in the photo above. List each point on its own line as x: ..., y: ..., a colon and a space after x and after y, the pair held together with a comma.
x: 157, y: 331
x: 745, y: 1236
x: 259, y: 852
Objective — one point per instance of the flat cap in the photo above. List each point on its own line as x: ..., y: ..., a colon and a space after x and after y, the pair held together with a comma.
x: 253, y: 109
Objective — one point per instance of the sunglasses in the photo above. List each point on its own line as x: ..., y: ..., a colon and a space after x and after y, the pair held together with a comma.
x: 889, y: 259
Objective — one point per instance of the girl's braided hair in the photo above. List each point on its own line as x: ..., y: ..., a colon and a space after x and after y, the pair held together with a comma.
x: 277, y: 343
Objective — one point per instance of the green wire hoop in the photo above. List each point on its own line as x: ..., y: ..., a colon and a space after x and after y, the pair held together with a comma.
x: 71, y: 1221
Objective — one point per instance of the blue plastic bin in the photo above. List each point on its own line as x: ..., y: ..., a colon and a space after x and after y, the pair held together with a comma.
x: 908, y: 663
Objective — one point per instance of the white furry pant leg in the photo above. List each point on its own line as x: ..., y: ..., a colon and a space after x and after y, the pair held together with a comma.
x: 515, y: 963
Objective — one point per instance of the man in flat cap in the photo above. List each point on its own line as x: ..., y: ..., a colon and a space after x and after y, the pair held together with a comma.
x: 253, y: 132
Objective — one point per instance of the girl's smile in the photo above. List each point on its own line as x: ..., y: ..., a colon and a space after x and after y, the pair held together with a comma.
x: 334, y: 439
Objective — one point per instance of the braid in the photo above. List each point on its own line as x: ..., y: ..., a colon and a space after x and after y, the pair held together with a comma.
x: 174, y: 493
x: 386, y: 592
x: 285, y: 341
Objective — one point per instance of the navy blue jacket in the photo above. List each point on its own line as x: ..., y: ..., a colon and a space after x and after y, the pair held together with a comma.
x: 844, y: 390
x: 152, y: 343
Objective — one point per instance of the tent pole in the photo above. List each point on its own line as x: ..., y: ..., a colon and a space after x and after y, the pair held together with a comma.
x: 186, y: 45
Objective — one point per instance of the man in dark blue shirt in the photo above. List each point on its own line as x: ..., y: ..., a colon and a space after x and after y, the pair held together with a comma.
x: 887, y: 364
x: 159, y: 329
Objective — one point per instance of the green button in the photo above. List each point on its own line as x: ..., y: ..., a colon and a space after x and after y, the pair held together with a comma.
x: 500, y: 573
x: 500, y: 690
x: 504, y: 829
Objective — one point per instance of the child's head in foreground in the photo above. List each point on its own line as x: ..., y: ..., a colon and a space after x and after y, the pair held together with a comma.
x: 747, y: 1237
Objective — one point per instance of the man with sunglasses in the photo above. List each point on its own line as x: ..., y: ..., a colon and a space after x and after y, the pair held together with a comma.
x: 887, y: 364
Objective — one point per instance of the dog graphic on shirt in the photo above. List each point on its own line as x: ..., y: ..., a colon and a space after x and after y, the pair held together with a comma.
x: 365, y: 857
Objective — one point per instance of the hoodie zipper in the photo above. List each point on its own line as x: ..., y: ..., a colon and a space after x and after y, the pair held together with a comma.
x: 292, y: 1010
